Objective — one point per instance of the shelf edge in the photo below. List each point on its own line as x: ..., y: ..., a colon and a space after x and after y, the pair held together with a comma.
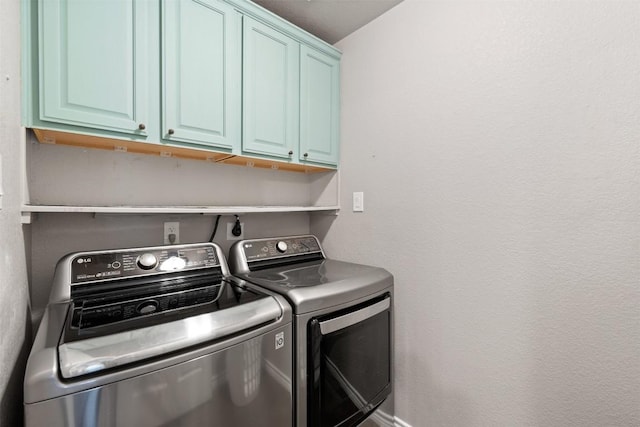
x: 221, y: 210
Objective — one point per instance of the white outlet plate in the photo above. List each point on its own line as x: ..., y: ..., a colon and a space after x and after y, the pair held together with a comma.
x: 171, y: 228
x: 230, y: 235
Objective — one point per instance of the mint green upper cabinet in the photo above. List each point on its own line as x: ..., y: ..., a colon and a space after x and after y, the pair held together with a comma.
x: 93, y: 64
x: 270, y: 91
x: 223, y: 80
x: 201, y: 63
x: 319, y: 107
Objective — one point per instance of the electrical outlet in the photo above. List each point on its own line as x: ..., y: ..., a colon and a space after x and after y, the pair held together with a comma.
x: 230, y: 235
x: 171, y: 229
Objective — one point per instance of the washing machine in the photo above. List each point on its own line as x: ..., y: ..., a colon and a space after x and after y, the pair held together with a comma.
x: 159, y: 336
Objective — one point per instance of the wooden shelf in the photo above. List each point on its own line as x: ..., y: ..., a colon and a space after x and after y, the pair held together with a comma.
x: 212, y: 210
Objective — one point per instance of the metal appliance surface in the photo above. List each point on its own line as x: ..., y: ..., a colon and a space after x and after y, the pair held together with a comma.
x: 159, y: 336
x: 327, y: 297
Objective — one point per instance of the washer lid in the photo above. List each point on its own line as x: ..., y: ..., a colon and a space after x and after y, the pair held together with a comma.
x: 321, y: 284
x: 96, y: 354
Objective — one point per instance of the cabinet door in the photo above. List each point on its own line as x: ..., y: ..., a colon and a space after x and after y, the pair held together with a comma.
x: 270, y: 91
x: 93, y: 64
x: 319, y: 107
x: 201, y: 73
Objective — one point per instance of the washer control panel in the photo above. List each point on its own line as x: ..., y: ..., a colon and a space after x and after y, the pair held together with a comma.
x: 109, y: 265
x: 264, y: 249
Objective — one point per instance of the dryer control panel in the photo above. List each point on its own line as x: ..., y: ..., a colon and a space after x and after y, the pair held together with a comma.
x: 254, y: 254
x: 276, y: 248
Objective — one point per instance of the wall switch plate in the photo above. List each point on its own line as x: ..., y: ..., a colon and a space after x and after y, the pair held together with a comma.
x: 230, y: 235
x: 358, y: 201
x: 171, y: 233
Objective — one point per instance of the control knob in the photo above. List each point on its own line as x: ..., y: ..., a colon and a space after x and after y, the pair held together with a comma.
x: 281, y: 246
x: 147, y: 261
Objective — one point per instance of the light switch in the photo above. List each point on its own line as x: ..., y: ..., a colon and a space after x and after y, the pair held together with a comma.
x: 358, y: 201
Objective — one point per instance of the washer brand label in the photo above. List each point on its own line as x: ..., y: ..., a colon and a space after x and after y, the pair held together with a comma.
x: 279, y: 340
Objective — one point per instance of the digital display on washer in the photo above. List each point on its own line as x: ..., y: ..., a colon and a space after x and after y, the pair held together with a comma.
x: 104, y: 266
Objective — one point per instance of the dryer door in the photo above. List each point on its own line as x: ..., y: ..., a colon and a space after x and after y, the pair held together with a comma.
x: 349, y: 373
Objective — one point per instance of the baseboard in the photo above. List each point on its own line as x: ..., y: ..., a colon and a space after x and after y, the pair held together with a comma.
x: 385, y: 420
x: 382, y: 419
x: 397, y: 422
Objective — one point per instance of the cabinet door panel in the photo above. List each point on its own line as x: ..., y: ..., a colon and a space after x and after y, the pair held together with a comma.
x: 93, y: 64
x: 201, y: 73
x: 270, y: 91
x: 319, y: 107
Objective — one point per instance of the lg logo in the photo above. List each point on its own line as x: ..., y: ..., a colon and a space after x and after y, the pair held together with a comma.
x: 279, y: 340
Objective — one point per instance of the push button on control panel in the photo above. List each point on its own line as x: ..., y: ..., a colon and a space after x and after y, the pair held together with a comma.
x: 147, y: 307
x: 147, y: 261
x: 281, y: 246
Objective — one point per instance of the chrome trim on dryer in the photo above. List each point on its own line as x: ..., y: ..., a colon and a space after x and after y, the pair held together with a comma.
x: 350, y: 319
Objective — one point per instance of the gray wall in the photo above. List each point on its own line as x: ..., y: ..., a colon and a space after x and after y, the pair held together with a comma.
x: 14, y: 304
x: 498, y: 147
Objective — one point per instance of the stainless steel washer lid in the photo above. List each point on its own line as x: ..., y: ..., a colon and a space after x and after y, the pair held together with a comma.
x: 316, y: 285
x: 96, y: 354
x: 197, y: 335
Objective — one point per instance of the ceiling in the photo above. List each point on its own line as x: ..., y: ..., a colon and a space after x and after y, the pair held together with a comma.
x: 330, y: 20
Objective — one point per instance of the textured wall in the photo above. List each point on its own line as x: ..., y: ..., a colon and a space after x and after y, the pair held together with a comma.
x: 498, y: 147
x: 14, y: 303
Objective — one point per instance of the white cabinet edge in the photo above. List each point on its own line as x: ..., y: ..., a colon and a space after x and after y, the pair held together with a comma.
x: 214, y: 210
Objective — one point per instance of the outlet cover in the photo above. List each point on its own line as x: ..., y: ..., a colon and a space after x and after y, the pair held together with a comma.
x: 171, y: 228
x: 230, y: 235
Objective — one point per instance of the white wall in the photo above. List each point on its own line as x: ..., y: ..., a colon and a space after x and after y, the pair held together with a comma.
x: 498, y: 147
x: 14, y: 303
